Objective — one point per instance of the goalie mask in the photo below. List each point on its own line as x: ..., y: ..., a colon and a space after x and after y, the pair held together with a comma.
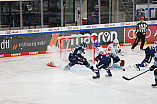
x: 115, y: 42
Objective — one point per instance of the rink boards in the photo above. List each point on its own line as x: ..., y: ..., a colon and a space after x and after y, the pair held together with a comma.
x: 30, y: 42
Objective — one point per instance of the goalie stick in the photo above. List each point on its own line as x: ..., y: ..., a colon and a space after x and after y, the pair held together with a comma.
x: 134, y: 76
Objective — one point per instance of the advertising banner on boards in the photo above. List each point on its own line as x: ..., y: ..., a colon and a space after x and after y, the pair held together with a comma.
x: 105, y: 36
x: 151, y: 34
x: 26, y: 43
x: 152, y: 10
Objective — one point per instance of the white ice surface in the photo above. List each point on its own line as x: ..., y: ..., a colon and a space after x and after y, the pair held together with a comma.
x: 27, y: 80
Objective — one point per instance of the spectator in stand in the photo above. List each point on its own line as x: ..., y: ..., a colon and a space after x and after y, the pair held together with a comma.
x: 91, y: 19
x: 95, y: 14
x: 139, y: 15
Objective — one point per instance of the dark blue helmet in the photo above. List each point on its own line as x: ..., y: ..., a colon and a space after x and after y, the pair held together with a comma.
x: 156, y: 48
x: 84, y: 44
x: 97, y: 44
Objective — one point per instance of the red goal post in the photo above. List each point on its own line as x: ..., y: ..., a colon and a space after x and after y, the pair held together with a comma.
x: 66, y: 44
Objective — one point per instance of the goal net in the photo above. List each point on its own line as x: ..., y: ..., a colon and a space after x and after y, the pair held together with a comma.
x: 60, y: 52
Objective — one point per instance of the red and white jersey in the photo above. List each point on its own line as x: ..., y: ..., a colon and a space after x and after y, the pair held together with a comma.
x: 97, y: 50
x: 113, y: 49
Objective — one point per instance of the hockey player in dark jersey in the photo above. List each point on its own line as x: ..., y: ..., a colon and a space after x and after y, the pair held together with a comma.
x: 104, y: 59
x: 149, y: 53
x: 141, y: 29
x: 75, y: 57
x: 155, y: 71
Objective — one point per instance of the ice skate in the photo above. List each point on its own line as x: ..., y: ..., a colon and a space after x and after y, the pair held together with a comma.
x: 154, y: 85
x: 96, y: 76
x: 66, y: 68
x: 109, y: 75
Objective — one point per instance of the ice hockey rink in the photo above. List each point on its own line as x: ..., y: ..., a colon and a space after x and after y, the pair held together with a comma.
x: 27, y: 80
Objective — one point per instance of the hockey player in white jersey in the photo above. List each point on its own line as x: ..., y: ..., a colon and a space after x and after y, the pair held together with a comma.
x: 98, y: 48
x: 104, y: 60
x: 115, y: 49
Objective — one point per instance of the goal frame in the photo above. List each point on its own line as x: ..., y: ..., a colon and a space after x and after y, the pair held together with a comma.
x: 74, y: 37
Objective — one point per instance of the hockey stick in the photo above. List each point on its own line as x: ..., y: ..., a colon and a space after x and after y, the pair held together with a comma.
x: 134, y: 76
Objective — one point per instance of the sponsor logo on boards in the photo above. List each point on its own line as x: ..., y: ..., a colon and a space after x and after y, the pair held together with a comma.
x: 14, y: 47
x: 4, y: 44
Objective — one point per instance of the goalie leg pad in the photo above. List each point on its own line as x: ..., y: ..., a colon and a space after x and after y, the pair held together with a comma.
x: 122, y: 63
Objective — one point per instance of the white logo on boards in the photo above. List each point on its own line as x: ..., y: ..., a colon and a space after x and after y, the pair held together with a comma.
x: 101, y: 37
x: 131, y: 33
x: 4, y: 44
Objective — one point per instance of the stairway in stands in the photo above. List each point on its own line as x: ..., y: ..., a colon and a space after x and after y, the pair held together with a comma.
x: 127, y: 6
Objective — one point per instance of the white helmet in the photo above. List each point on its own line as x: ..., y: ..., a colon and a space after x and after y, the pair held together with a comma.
x: 116, y: 41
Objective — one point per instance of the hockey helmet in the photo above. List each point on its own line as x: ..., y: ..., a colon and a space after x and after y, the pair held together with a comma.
x: 141, y: 18
x: 97, y: 44
x: 116, y: 41
x: 84, y: 44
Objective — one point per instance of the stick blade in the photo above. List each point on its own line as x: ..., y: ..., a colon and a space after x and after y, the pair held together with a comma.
x: 125, y: 78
